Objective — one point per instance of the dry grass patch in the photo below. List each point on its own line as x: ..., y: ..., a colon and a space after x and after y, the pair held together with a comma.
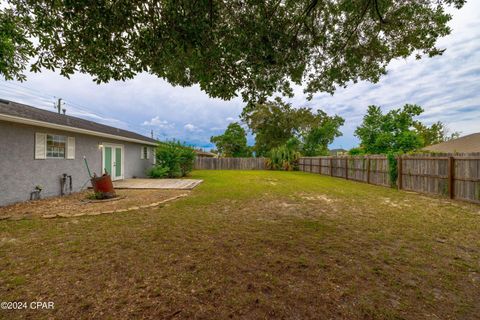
x: 79, y: 203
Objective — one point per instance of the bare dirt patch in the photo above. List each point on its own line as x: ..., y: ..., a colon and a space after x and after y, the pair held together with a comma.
x: 78, y: 204
x: 316, y: 197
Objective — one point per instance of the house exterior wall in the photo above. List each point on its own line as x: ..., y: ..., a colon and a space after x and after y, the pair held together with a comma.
x: 20, y: 172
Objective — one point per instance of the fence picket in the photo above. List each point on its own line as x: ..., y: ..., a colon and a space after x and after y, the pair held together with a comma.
x: 204, y: 163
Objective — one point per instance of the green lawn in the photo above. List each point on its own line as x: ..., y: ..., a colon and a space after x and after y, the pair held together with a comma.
x: 254, y: 245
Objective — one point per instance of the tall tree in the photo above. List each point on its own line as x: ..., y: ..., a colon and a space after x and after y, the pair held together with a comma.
x: 275, y: 122
x: 317, y: 139
x: 391, y: 132
x: 233, y: 142
x: 434, y: 134
x: 255, y: 47
x: 397, y: 131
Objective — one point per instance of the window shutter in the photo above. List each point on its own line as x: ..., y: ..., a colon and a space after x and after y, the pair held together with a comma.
x: 148, y: 152
x: 154, y: 156
x: 40, y: 145
x: 141, y: 153
x: 71, y: 148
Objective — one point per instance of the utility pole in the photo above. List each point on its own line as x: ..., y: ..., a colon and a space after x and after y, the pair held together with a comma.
x: 151, y: 133
x: 59, y: 105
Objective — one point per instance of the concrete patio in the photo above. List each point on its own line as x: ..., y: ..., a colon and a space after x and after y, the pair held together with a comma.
x: 177, y: 184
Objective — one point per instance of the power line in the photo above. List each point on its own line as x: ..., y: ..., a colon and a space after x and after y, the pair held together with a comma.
x: 108, y: 119
x: 49, y: 99
x: 46, y: 98
x: 103, y: 116
x: 27, y: 88
x: 24, y: 91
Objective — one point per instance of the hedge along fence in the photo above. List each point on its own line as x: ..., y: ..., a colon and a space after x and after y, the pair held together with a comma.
x: 453, y: 176
x: 204, y: 163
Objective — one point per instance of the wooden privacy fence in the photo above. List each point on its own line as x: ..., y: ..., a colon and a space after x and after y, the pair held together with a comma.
x: 372, y: 169
x: 204, y: 163
x: 454, y: 176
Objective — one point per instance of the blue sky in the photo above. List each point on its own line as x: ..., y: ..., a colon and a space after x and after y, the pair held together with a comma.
x: 447, y: 87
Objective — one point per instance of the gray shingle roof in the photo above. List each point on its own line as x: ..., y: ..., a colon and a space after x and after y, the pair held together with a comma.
x: 15, y: 109
x: 465, y: 144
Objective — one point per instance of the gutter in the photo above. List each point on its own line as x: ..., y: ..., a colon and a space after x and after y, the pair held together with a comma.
x: 71, y: 129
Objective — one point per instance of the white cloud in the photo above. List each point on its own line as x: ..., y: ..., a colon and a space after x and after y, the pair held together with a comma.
x: 192, y: 128
x: 157, y: 122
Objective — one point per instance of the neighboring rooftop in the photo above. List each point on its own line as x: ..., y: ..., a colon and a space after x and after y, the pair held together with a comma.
x: 339, y: 151
x: 201, y: 153
x: 39, y: 116
x: 465, y: 144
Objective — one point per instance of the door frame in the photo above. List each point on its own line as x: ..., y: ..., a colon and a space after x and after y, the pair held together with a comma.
x: 113, y: 146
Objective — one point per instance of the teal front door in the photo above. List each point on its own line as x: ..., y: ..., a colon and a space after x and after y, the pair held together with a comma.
x: 118, y: 163
x: 113, y: 161
x: 108, y: 160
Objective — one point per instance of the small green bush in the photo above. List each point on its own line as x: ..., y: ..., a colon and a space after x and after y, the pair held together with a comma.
x: 174, y: 160
x: 356, y: 151
x: 95, y: 196
x: 158, y: 172
x: 285, y: 157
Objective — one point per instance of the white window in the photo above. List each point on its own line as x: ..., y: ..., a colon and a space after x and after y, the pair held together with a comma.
x: 53, y: 146
x: 144, y: 153
x: 56, y: 146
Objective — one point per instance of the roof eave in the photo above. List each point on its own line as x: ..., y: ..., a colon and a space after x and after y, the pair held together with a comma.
x: 71, y: 129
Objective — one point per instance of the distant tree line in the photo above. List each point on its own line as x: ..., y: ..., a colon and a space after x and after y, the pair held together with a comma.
x: 280, y: 130
x: 284, y: 133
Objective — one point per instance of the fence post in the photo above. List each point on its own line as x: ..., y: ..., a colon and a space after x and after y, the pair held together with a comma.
x: 331, y: 167
x: 451, y: 177
x: 368, y: 169
x: 346, y: 168
x: 400, y: 172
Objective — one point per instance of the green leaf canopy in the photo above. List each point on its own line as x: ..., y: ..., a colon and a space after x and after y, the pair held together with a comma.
x: 275, y: 123
x: 397, y: 131
x: 233, y: 142
x: 254, y: 48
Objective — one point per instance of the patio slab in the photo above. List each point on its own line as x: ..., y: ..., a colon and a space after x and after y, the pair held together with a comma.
x: 176, y: 184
